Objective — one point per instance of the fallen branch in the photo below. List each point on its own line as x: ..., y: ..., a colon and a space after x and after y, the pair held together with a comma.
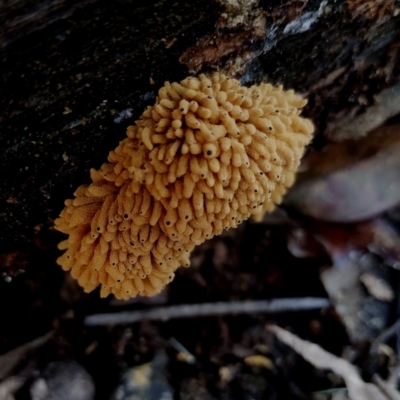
x: 320, y: 358
x: 208, y: 309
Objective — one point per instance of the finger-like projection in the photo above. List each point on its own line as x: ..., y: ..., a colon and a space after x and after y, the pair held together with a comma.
x: 208, y: 155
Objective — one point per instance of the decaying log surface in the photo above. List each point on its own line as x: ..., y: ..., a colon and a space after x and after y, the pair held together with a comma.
x: 75, y: 74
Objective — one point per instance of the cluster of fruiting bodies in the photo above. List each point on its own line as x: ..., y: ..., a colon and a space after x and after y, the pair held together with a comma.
x: 208, y: 155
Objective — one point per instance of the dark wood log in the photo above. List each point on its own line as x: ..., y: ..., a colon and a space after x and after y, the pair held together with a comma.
x: 75, y: 74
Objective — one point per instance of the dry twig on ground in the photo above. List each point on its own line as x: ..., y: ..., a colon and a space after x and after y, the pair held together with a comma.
x: 314, y: 354
x: 208, y: 309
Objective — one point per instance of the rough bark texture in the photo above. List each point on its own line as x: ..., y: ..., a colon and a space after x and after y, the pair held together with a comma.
x: 74, y: 75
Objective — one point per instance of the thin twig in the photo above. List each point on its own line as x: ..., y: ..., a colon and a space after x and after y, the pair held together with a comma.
x: 320, y: 358
x: 208, y: 309
x: 385, y: 336
x: 10, y: 360
x: 9, y: 386
x: 394, y: 374
x: 390, y: 391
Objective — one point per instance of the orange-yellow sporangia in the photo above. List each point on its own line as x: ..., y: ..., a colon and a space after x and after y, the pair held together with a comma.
x: 208, y: 155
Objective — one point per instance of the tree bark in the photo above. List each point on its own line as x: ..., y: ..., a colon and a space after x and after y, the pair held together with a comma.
x: 75, y: 74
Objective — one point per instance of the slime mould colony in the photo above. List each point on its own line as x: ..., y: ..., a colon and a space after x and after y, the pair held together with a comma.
x: 208, y: 155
